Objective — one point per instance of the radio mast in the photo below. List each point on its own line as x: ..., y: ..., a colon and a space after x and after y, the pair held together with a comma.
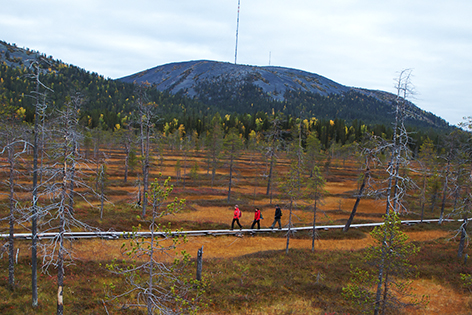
x: 237, y: 29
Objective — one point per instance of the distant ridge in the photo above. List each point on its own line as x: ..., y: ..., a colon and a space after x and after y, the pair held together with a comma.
x: 275, y: 81
x: 245, y: 88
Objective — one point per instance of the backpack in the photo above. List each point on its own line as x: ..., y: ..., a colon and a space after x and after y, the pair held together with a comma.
x: 279, y: 211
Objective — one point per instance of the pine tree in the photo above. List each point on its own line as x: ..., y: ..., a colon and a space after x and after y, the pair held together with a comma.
x: 391, y: 254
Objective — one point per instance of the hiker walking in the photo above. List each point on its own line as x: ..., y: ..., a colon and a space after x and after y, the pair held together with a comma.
x: 236, y: 216
x: 257, y: 218
x: 278, y: 215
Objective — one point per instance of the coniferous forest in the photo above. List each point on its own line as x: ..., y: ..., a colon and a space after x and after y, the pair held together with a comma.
x: 108, y: 105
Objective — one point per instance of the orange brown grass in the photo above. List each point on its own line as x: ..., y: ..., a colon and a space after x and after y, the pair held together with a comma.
x: 341, y: 186
x: 231, y: 246
x: 441, y: 299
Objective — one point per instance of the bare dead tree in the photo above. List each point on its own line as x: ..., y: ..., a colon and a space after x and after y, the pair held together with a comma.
x: 446, y: 177
x: 146, y: 118
x: 185, y: 145
x: 252, y: 146
x: 97, y: 153
x: 289, y: 188
x: 370, y: 154
x: 214, y: 143
x: 158, y: 287
x: 425, y: 157
x: 42, y: 144
x: 38, y: 95
x: 58, y: 216
x: 315, y: 192
x: 395, y: 191
x: 273, y: 141
x: 68, y: 159
x: 12, y: 140
x: 462, y: 183
x: 233, y: 146
x: 314, y: 156
x: 102, y: 178
x: 463, y: 209
x: 449, y: 159
x: 127, y: 141
x: 77, y: 101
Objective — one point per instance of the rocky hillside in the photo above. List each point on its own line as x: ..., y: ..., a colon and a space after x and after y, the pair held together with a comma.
x: 188, y: 77
x: 243, y: 88
x: 14, y: 56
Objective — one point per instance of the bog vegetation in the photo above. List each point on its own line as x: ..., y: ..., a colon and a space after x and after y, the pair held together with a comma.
x: 145, y: 163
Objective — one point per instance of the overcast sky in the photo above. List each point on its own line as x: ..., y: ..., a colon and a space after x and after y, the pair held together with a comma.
x: 361, y: 43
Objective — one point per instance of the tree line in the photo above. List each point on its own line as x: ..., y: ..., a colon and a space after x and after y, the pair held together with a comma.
x: 109, y: 103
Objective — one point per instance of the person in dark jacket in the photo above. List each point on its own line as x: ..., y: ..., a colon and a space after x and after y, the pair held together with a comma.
x: 257, y: 219
x: 278, y: 215
x: 236, y: 216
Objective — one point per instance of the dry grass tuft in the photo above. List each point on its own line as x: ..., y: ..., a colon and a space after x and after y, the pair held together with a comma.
x: 441, y: 299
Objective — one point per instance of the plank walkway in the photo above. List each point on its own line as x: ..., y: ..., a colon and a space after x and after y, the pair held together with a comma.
x: 117, y: 235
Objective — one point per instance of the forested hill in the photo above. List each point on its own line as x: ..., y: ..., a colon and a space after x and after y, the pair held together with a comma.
x: 192, y: 92
x: 243, y: 88
x: 106, y: 104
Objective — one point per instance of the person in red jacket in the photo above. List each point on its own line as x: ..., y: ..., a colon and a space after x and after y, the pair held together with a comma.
x: 236, y: 216
x: 257, y: 219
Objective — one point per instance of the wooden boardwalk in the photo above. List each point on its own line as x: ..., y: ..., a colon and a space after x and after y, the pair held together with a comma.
x: 124, y: 235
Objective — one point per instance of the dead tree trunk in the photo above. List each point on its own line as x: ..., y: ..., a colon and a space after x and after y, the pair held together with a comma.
x: 358, y: 199
x: 444, y: 192
x: 460, y: 251
x: 62, y: 213
x: 273, y: 137
x: 313, y: 235
x: 146, y: 117
x: 72, y: 180
x: 423, y: 198
x: 398, y: 147
x: 34, y: 210
x: 127, y: 145
x: 230, y: 177
x: 213, y: 170
x: 289, y: 230
x: 146, y: 171
x: 11, y: 241
x: 60, y: 255
x: 269, y: 179
x: 102, y: 178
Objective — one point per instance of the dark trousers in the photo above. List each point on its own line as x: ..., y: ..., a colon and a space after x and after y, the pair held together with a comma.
x: 276, y: 220
x: 237, y: 221
x: 258, y: 224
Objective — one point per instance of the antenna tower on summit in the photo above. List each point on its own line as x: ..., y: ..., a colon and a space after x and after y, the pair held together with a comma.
x: 237, y: 29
